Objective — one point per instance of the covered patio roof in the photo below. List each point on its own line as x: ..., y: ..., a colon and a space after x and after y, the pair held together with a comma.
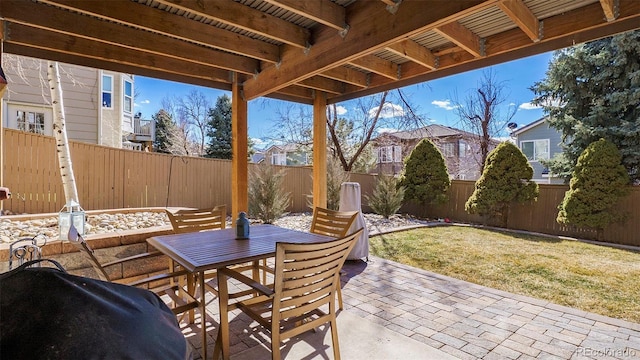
x: 312, y: 51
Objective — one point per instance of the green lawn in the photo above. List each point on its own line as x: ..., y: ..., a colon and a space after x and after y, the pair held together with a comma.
x: 593, y: 278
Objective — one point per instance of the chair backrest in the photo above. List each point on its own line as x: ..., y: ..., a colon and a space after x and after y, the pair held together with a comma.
x: 25, y: 249
x: 81, y: 244
x: 331, y: 222
x: 307, y: 277
x: 184, y: 221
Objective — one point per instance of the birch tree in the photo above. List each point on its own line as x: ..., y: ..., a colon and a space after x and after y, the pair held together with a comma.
x: 60, y: 134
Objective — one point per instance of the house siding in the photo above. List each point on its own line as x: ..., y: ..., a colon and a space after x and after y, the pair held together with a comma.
x: 27, y: 85
x: 542, y: 131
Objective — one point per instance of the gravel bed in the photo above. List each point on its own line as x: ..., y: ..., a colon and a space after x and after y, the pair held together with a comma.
x: 107, y: 223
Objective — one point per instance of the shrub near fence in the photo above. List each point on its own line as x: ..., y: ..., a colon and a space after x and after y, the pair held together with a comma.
x: 109, y: 178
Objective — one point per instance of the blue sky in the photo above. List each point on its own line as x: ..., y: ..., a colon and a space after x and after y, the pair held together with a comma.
x: 434, y: 98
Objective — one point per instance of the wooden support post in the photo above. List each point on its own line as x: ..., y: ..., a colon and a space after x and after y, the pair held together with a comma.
x: 320, y: 149
x: 3, y: 87
x: 239, y: 163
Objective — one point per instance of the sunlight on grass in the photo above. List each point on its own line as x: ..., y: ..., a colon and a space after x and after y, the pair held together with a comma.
x: 593, y: 278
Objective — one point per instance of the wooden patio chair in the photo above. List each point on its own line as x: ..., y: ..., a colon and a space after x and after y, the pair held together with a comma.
x: 181, y: 300
x: 184, y: 221
x: 306, y: 279
x: 335, y: 224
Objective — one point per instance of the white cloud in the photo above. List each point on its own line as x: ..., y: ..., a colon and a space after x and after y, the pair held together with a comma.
x: 528, y: 106
x: 389, y: 110
x: 258, y: 142
x: 341, y: 110
x: 386, y: 130
x: 143, y: 102
x: 444, y: 104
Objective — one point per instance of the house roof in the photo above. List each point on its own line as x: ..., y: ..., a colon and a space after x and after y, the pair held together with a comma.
x: 529, y: 126
x: 290, y: 147
x: 290, y: 49
x: 429, y: 131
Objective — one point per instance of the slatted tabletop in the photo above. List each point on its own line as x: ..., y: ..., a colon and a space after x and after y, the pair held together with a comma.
x: 200, y: 251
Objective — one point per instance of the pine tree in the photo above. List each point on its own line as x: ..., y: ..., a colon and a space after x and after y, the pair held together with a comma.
x: 164, y: 130
x: 599, y: 181
x: 219, y: 130
x: 592, y: 91
x: 267, y: 198
x: 425, y: 177
x: 506, y: 179
x: 387, y: 196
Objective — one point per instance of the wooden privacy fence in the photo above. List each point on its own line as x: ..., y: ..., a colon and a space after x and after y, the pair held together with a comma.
x: 109, y: 178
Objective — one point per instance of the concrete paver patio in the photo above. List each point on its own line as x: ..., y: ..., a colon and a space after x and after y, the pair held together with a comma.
x: 459, y: 318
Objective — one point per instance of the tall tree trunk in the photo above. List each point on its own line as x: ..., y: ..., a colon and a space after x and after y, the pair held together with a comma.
x: 60, y: 133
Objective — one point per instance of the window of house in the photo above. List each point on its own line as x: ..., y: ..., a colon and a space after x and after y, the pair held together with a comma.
x: 128, y: 96
x: 535, y: 150
x: 30, y: 121
x: 449, y: 150
x: 391, y: 153
x: 462, y: 149
x: 279, y: 159
x: 107, y: 91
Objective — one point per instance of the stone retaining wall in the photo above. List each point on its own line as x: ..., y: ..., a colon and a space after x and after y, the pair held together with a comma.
x: 107, y: 247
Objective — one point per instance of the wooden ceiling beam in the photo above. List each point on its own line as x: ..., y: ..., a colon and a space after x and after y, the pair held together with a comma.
x: 144, y: 17
x: 461, y: 36
x: 522, y: 16
x: 246, y: 18
x: 609, y: 8
x: 347, y: 75
x: 43, y: 39
x: 115, y: 34
x: 415, y: 52
x: 377, y: 65
x: 324, y: 12
x: 111, y: 66
x: 323, y: 84
x: 563, y: 30
x: 372, y: 28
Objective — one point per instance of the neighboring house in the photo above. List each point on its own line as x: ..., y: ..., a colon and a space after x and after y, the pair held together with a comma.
x: 286, y: 154
x: 538, y: 141
x: 257, y: 157
x: 98, y: 104
x: 460, y: 149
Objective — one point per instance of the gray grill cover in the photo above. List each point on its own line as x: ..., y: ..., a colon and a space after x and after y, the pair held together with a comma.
x: 49, y: 314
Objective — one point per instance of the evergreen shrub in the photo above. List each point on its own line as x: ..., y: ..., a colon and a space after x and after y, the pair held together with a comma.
x: 267, y: 199
x: 387, y: 196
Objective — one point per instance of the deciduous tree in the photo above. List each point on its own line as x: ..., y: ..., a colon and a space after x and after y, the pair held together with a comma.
x: 483, y: 112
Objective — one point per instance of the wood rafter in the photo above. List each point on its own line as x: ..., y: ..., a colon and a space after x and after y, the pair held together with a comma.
x: 377, y: 65
x: 68, y: 44
x: 245, y: 18
x: 323, y: 84
x: 461, y: 36
x: 325, y: 12
x: 522, y: 16
x: 202, y: 42
x: 415, y: 52
x: 347, y: 75
x: 65, y: 22
x: 372, y: 28
x: 562, y: 30
x: 609, y: 8
x: 154, y: 20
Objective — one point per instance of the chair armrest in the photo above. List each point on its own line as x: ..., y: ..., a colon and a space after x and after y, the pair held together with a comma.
x: 247, y: 281
x: 133, y: 257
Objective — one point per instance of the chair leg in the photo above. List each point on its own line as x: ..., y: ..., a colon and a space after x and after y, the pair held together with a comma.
x: 339, y: 291
x: 334, y: 338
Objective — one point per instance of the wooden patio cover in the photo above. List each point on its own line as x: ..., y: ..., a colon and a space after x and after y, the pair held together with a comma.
x: 307, y: 51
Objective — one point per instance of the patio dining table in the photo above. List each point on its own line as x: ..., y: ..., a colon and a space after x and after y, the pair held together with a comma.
x: 198, y: 252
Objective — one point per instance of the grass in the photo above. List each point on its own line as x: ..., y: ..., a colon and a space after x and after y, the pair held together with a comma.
x: 589, y: 277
